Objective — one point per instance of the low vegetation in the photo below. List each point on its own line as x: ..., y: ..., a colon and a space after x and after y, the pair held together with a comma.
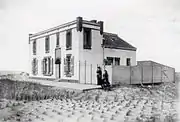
x: 28, y: 101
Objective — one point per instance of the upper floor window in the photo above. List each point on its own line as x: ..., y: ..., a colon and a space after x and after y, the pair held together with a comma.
x: 117, y: 61
x: 69, y: 40
x: 128, y: 62
x: 34, y: 47
x: 47, y: 44
x: 57, y: 39
x: 87, y: 38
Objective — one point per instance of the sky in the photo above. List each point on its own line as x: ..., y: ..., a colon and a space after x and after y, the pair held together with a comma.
x: 153, y: 26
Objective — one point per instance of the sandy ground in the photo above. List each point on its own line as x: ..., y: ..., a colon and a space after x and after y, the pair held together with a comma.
x: 120, y: 105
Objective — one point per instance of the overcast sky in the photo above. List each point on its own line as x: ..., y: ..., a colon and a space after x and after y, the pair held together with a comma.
x: 153, y: 26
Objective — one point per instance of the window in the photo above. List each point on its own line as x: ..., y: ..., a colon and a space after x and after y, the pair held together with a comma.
x: 34, y: 47
x: 69, y: 65
x: 68, y: 59
x: 47, y: 45
x: 109, y: 61
x: 87, y: 38
x: 69, y: 40
x: 57, y: 39
x: 117, y: 61
x: 47, y: 66
x: 128, y: 62
x: 34, y: 66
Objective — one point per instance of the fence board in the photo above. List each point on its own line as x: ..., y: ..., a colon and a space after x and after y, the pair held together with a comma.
x: 136, y: 74
x: 121, y: 74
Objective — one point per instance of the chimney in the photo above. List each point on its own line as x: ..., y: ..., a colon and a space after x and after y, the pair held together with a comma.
x: 79, y: 23
x: 94, y: 21
x: 101, y: 26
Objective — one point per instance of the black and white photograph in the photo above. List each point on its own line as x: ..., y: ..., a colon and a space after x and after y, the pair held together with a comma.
x: 89, y: 60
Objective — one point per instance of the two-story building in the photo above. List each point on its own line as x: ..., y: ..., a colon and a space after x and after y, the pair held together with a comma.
x: 72, y: 51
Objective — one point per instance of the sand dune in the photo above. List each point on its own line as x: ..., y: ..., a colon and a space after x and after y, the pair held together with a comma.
x: 122, y: 104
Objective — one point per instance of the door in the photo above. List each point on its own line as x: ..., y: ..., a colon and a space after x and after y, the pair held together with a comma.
x: 58, y: 62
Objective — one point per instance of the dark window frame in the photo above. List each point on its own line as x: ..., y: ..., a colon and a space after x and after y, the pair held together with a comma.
x: 47, y: 66
x: 69, y: 39
x: 34, y: 47
x: 68, y: 59
x: 128, y: 62
x: 57, y: 39
x: 87, y: 38
x: 47, y: 44
x: 117, y: 60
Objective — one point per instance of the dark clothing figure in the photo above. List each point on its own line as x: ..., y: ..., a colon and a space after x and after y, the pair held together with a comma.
x: 99, y: 76
x: 106, y: 85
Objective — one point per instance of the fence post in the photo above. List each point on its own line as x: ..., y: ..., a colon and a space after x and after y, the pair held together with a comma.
x: 85, y: 71
x: 130, y: 74
x: 79, y: 72
x: 152, y: 75
x: 161, y: 75
x: 91, y: 73
x: 174, y: 76
x: 141, y: 74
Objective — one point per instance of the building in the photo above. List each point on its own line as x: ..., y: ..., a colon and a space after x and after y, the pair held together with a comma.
x: 72, y: 51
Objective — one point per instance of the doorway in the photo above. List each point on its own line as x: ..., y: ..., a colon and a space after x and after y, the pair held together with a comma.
x: 58, y: 62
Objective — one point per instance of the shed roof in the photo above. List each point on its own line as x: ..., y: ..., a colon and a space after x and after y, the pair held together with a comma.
x: 113, y: 41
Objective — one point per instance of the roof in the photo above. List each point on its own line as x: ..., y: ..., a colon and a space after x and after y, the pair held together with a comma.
x: 114, y: 41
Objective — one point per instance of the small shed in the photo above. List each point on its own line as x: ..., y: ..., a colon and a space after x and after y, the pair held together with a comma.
x: 156, y: 72
x: 145, y: 72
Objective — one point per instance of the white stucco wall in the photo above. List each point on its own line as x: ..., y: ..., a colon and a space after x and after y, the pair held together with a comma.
x: 74, y: 52
x: 93, y: 57
x: 40, y: 52
x: 122, y: 54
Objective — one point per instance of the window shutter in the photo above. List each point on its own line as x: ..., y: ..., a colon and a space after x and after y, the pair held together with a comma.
x: 65, y: 66
x: 36, y: 62
x: 32, y: 64
x: 42, y: 66
x: 51, y: 68
x: 49, y: 65
x: 72, y: 65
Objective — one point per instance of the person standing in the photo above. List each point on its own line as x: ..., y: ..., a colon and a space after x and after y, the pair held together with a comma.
x: 99, y: 75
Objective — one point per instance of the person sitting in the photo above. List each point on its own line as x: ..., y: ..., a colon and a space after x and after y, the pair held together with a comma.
x: 106, y: 85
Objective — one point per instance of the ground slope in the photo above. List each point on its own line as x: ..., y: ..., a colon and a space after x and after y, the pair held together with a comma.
x: 123, y: 103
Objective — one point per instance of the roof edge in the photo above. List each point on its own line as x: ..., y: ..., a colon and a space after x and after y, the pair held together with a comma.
x: 122, y: 48
x: 62, y: 26
x: 53, y: 28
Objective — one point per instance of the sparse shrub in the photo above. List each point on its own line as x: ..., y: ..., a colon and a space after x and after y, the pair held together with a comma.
x: 117, y: 112
x: 69, y: 115
x: 112, y: 118
x: 29, y: 120
x: 18, y: 119
x: 59, y: 113
x: 54, y: 110
x: 116, y: 98
x: 45, y: 113
x: 128, y: 113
